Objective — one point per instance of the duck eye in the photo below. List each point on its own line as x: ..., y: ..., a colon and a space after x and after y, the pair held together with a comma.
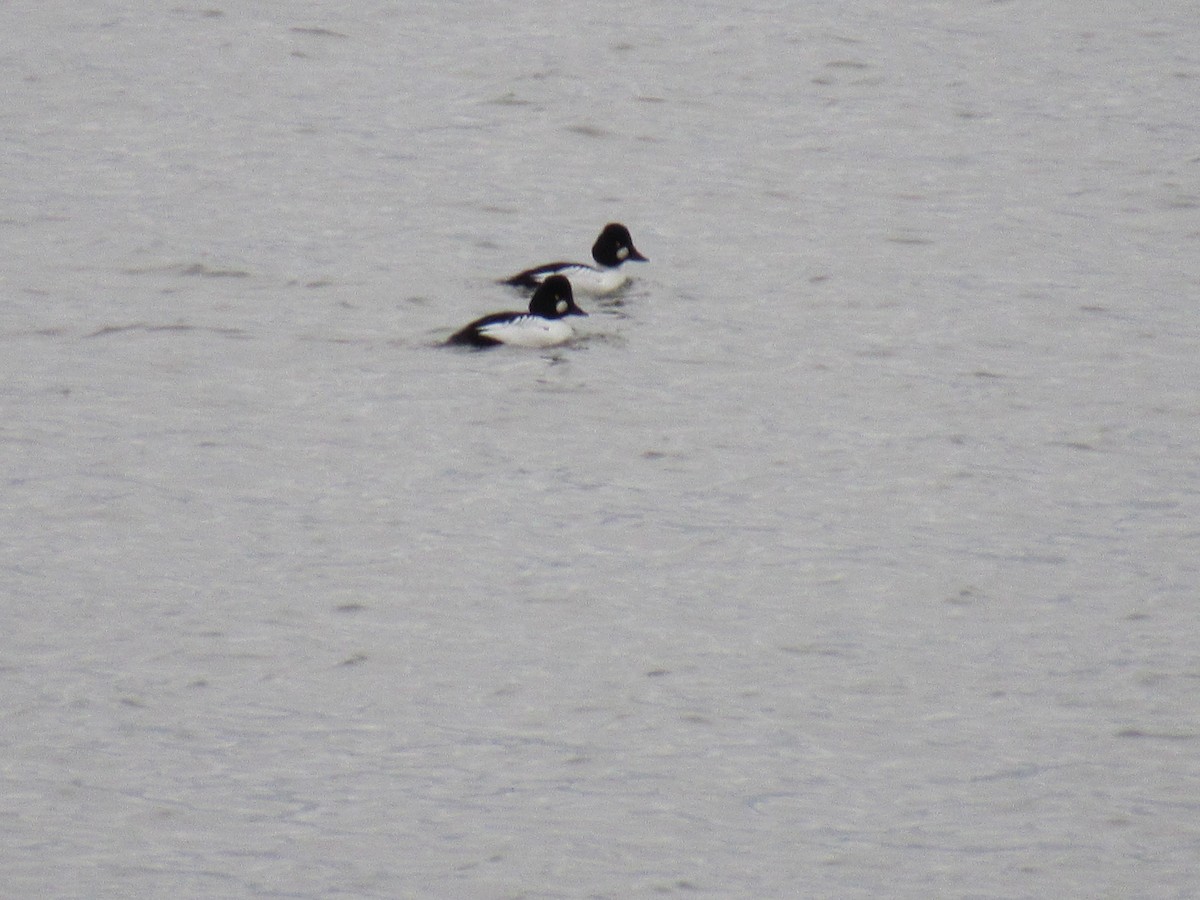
x: 561, y: 306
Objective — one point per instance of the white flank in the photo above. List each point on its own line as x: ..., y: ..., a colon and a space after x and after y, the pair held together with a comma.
x: 530, y: 331
x: 589, y: 280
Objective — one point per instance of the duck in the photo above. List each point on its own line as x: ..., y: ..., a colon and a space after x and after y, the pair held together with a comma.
x: 542, y: 326
x: 613, y: 248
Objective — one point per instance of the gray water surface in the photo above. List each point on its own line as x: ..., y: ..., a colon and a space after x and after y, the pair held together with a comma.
x: 852, y: 551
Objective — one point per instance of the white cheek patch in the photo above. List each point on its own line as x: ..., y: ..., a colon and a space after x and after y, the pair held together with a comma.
x: 561, y: 306
x: 622, y: 253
